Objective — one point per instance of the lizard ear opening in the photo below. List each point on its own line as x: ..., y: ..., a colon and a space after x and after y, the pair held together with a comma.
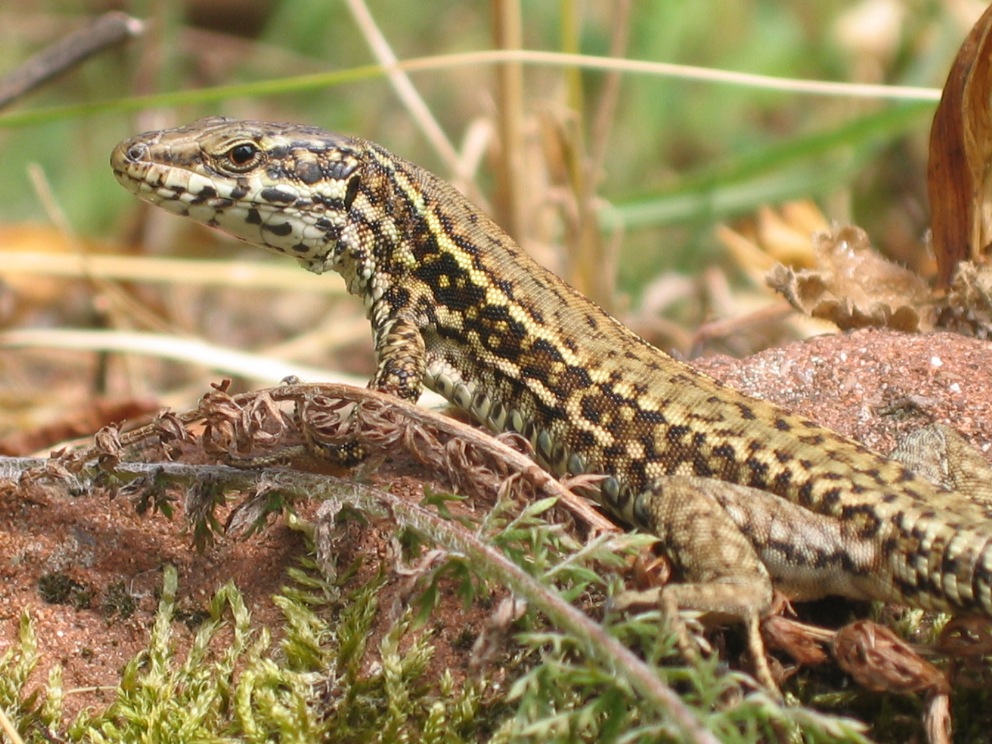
x: 351, y: 192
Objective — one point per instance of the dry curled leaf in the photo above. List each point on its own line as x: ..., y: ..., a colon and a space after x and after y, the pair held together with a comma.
x: 959, y: 180
x: 242, y: 428
x: 795, y: 639
x: 966, y: 637
x: 169, y: 428
x: 967, y: 308
x: 854, y: 287
x: 880, y: 661
x: 108, y: 443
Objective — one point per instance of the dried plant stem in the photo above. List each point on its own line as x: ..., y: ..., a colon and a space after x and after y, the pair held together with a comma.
x: 512, y: 176
x: 106, y: 31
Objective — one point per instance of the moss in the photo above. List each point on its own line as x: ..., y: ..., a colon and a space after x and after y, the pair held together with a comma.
x: 117, y: 600
x: 57, y: 588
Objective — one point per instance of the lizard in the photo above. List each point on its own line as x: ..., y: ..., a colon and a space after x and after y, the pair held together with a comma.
x: 743, y: 495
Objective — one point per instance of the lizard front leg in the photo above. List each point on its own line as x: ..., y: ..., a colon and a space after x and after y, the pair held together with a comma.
x: 400, y: 365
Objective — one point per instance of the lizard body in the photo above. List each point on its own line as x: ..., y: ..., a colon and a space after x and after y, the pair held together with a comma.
x: 743, y: 494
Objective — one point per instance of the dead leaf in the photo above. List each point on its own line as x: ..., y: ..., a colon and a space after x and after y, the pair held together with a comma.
x: 881, y: 661
x: 958, y: 174
x: 967, y: 308
x: 780, y: 235
x: 795, y: 639
x: 854, y: 287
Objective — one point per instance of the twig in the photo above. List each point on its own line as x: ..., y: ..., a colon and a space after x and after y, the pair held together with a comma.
x: 453, y: 430
x: 513, y: 186
x: 322, y: 80
x: 158, y: 270
x: 106, y: 31
x: 403, y: 86
x: 8, y: 728
x: 606, y: 106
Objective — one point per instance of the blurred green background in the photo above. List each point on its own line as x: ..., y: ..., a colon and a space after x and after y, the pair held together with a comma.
x: 678, y: 156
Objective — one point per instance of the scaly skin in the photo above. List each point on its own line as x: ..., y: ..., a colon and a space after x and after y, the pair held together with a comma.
x: 743, y: 494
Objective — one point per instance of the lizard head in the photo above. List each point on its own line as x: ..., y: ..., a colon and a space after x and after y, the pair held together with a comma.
x: 285, y: 187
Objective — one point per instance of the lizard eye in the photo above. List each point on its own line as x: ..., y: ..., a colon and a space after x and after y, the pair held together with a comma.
x: 243, y: 156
